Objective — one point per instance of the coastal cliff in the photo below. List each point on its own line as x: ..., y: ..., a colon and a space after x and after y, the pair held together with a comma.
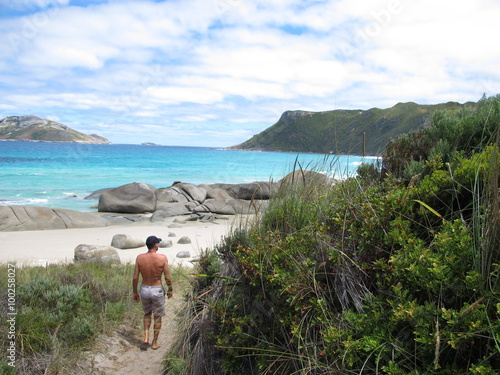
x: 33, y: 128
x: 344, y: 131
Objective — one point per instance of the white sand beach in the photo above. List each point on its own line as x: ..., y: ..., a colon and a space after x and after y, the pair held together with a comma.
x: 57, y: 246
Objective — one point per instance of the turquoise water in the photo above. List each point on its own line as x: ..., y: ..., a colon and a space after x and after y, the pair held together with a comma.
x: 61, y: 175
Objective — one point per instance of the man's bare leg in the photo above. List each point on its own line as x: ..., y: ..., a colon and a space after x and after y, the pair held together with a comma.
x: 156, y: 332
x: 147, y: 325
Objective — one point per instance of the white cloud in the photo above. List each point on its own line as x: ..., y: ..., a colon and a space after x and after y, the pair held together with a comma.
x: 198, y: 118
x: 144, y: 114
x: 447, y: 30
x: 172, y: 95
x: 239, y: 63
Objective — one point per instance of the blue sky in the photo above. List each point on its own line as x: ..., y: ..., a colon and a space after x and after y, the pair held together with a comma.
x: 215, y: 72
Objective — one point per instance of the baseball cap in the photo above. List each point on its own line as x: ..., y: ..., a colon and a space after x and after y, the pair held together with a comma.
x: 152, y: 240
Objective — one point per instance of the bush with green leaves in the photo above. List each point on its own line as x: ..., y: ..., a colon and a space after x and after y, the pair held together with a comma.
x: 360, y: 291
x: 359, y: 281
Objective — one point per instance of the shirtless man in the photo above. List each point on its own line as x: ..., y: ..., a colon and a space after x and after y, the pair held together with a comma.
x: 152, y: 266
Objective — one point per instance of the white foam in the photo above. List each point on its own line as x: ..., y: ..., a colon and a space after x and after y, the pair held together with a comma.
x: 26, y: 201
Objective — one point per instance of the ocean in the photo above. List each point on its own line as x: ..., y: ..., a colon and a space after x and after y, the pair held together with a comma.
x: 61, y: 175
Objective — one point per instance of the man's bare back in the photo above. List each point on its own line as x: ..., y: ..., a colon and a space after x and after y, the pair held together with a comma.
x: 151, y: 266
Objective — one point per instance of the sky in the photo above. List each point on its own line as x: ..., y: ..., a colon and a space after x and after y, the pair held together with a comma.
x: 215, y: 72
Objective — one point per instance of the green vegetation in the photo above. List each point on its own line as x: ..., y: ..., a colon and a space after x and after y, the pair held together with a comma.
x: 342, y: 131
x: 395, y: 271
x: 61, y: 309
x: 450, y: 136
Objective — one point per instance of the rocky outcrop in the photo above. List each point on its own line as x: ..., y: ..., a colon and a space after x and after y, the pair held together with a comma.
x: 138, y: 201
x: 97, y: 254
x: 254, y: 190
x: 179, y: 193
x: 96, y: 194
x: 173, y: 209
x: 186, y: 199
x: 231, y: 206
x: 214, y: 193
x: 19, y: 218
x: 133, y: 198
x: 218, y: 206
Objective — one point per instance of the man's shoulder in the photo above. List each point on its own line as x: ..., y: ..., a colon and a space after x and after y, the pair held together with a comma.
x: 142, y: 258
x: 147, y: 257
x: 160, y: 259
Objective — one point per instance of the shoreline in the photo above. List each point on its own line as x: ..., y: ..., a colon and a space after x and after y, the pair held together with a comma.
x: 56, y: 246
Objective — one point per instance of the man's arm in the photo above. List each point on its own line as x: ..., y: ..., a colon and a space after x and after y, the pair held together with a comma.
x: 168, y: 278
x: 135, y: 281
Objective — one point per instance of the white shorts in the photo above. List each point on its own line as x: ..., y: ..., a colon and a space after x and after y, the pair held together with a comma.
x: 153, y: 300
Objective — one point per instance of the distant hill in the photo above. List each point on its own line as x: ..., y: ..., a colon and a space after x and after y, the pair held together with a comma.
x: 33, y: 128
x: 341, y: 131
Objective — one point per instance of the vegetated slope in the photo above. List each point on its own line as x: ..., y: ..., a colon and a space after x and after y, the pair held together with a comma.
x: 341, y: 131
x: 33, y: 128
x: 374, y: 274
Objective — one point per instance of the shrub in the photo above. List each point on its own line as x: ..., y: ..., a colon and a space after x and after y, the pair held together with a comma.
x: 368, y: 172
x: 79, y: 331
x: 356, y: 288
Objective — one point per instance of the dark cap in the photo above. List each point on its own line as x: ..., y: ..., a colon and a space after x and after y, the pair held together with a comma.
x: 151, y: 241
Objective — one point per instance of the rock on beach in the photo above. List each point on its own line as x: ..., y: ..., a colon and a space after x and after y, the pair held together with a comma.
x: 133, y: 198
x: 97, y: 254
x: 184, y: 240
x: 126, y: 241
x: 185, y: 199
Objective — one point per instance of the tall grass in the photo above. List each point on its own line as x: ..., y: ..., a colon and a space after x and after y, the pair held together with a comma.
x: 490, y: 244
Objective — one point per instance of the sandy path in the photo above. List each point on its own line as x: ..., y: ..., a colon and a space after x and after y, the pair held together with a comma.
x: 119, y: 354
